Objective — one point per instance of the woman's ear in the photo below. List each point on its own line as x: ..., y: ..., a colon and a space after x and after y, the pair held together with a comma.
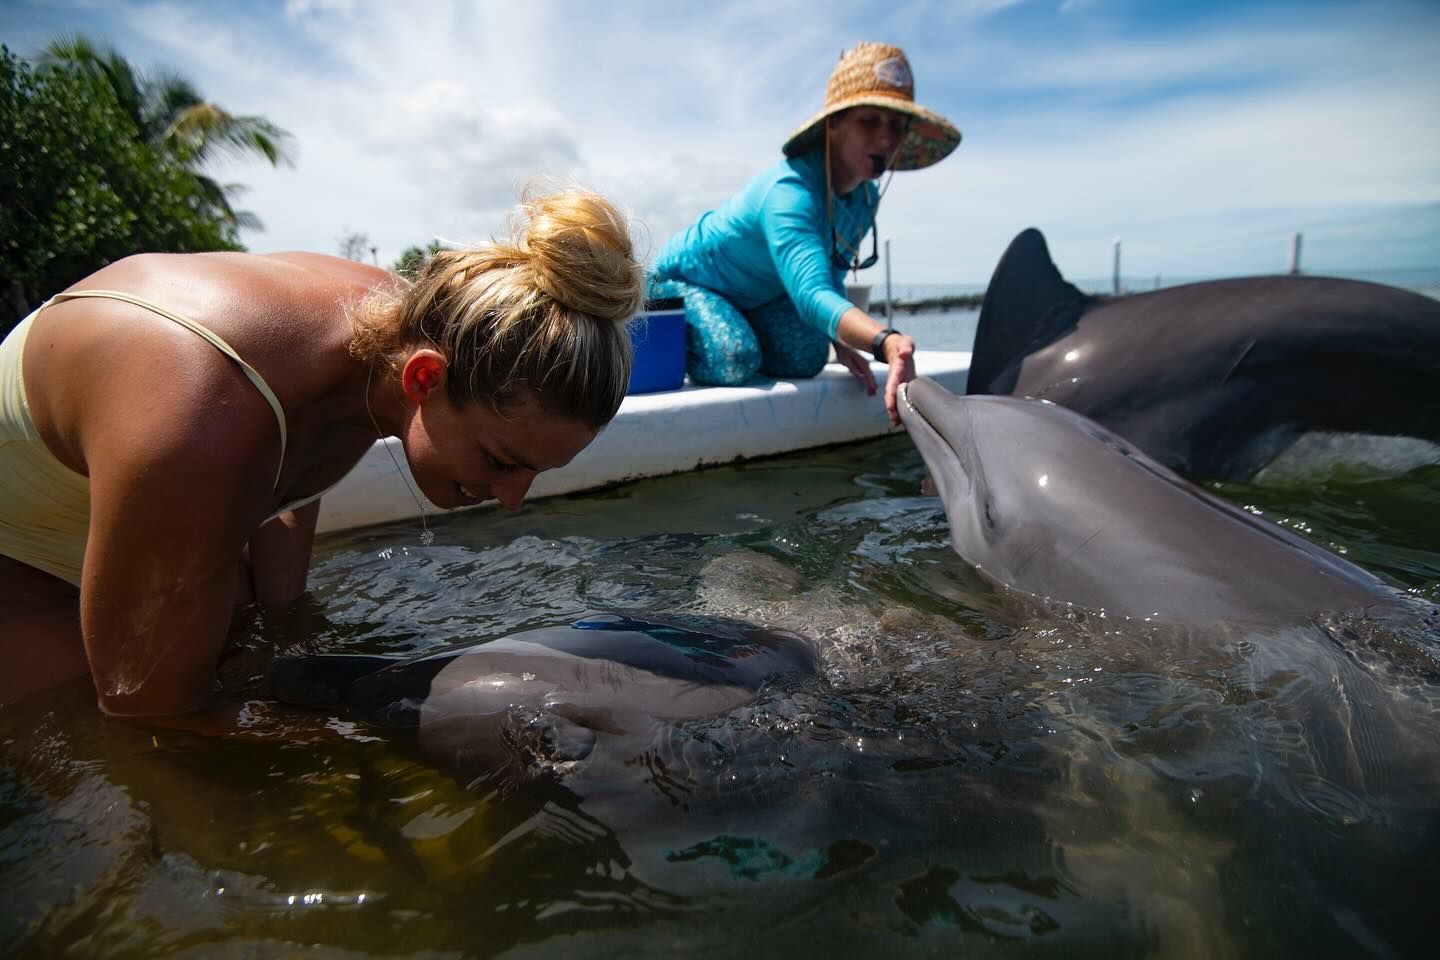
x: 423, y: 374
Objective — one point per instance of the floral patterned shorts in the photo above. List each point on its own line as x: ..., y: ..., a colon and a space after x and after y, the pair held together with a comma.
x: 725, y: 347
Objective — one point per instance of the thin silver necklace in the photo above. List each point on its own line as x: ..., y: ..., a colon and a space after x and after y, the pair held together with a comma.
x: 427, y: 536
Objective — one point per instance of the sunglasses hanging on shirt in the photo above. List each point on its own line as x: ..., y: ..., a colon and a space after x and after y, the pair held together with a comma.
x: 842, y: 254
x: 847, y: 257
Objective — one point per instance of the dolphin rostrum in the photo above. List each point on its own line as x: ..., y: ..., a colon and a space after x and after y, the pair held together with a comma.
x: 1046, y: 501
x: 1216, y: 379
x: 544, y: 700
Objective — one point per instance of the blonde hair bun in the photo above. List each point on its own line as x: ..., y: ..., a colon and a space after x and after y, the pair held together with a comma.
x: 579, y: 248
x: 541, y: 314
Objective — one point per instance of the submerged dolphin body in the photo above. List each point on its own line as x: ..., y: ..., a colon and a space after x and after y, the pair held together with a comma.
x: 1213, y: 379
x: 546, y: 699
x: 1046, y: 501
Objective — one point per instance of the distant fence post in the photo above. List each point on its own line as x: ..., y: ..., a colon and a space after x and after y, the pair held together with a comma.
x: 1295, y: 239
x: 1115, y: 280
x: 889, y: 301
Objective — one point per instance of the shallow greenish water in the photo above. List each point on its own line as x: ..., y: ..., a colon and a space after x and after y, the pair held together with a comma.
x: 956, y: 781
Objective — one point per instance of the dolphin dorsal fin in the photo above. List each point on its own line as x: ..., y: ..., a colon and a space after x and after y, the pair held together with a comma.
x: 1028, y: 305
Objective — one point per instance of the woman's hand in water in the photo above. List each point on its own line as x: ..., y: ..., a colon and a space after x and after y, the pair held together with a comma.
x: 857, y: 364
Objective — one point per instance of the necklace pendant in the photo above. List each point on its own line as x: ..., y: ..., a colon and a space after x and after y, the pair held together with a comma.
x: 427, y: 537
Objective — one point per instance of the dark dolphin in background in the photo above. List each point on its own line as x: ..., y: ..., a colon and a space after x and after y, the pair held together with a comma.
x: 545, y: 700
x: 1046, y: 501
x: 1213, y: 379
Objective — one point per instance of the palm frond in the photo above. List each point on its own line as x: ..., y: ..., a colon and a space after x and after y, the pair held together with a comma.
x: 76, y: 51
x: 171, y: 115
x: 247, y: 220
x: 204, y: 128
x: 214, y: 198
x: 167, y: 96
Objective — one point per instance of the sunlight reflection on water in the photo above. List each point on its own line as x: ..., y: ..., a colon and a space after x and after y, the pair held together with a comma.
x: 955, y: 778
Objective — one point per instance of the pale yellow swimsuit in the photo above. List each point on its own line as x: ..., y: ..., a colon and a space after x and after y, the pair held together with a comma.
x: 44, y: 505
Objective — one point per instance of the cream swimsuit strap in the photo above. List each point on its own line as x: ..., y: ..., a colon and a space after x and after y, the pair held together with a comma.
x: 200, y: 331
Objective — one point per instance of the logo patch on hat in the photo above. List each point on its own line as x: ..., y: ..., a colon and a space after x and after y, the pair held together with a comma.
x: 894, y: 72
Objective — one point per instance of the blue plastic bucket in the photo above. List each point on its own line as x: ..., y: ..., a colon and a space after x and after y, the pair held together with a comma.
x: 658, y: 335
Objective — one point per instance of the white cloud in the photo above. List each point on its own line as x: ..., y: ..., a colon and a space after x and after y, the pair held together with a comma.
x: 470, y: 155
x: 300, y: 8
x: 1209, y: 181
x: 1203, y: 149
x: 1207, y: 185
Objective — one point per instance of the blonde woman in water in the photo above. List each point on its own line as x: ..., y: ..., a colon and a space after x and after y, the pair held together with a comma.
x: 169, y: 423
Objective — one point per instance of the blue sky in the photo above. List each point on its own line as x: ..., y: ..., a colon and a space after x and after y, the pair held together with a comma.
x: 1201, y: 134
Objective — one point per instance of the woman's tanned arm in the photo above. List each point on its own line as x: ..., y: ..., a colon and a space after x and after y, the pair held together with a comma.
x: 173, y: 499
x: 279, y: 556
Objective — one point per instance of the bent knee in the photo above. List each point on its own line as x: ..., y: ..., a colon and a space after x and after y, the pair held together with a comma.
x: 721, y: 361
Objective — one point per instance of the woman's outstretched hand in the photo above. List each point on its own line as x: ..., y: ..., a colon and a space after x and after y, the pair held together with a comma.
x: 900, y: 354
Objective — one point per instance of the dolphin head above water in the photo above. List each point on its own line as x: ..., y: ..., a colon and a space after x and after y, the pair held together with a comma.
x: 1046, y: 501
x: 544, y: 700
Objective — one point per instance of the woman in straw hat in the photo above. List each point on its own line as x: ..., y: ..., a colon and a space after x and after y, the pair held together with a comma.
x: 762, y: 275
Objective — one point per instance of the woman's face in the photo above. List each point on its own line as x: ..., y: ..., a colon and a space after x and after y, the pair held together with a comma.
x: 863, y: 142
x: 464, y: 456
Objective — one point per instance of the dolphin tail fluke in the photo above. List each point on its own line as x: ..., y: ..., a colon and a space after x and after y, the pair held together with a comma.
x: 321, y: 681
x: 1027, y: 306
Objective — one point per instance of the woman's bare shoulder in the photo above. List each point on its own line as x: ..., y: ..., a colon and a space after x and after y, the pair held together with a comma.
x: 338, y: 267
x: 287, y: 318
x: 247, y: 270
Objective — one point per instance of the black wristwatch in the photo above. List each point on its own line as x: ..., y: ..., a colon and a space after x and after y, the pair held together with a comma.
x: 877, y: 346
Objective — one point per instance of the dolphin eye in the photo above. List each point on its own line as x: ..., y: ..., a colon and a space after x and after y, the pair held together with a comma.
x: 989, y: 513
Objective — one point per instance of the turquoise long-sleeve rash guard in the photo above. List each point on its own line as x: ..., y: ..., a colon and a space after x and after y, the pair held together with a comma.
x: 773, y: 238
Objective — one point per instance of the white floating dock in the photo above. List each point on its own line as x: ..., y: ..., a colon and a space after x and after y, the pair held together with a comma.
x: 657, y: 434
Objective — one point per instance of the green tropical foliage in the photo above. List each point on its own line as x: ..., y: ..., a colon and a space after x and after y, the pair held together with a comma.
x: 90, y: 174
x: 413, y: 258
x: 172, y: 116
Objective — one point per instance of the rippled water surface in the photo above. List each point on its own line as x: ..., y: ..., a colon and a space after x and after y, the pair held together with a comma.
x: 961, y: 779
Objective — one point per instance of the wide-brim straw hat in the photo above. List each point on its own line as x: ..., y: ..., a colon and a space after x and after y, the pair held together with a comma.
x: 878, y: 75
